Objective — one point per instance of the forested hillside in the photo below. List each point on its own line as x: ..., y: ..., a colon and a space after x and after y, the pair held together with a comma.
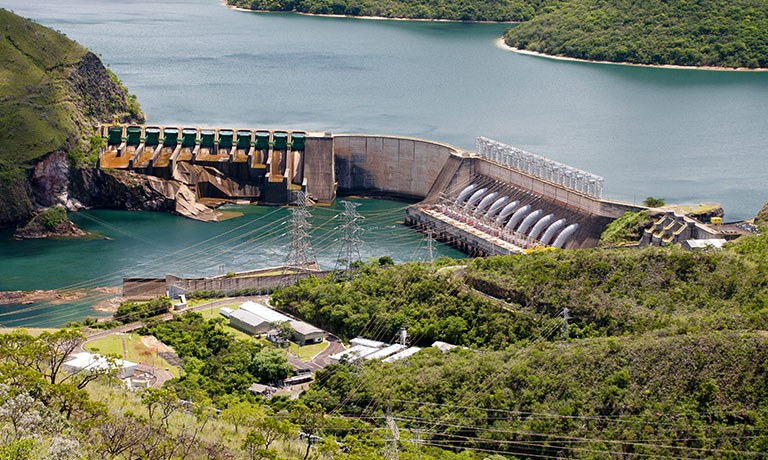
x: 604, y: 353
x: 721, y: 33
x: 663, y: 352
x: 475, y: 10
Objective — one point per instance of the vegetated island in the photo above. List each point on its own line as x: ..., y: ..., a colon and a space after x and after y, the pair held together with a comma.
x: 707, y: 34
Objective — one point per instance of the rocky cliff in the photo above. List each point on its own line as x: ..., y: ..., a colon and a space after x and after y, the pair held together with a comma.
x: 52, y: 94
x: 118, y: 189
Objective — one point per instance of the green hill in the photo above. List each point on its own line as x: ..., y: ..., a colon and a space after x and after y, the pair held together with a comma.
x: 664, y: 352
x: 720, y: 33
x: 52, y: 92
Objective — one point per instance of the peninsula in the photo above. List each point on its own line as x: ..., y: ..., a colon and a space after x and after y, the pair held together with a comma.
x: 711, y: 34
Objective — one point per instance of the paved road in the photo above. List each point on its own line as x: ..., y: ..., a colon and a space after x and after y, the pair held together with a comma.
x: 320, y: 360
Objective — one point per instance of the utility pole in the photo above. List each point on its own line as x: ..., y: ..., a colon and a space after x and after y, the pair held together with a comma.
x: 350, y: 240
x: 393, y: 452
x: 564, y: 330
x: 430, y: 246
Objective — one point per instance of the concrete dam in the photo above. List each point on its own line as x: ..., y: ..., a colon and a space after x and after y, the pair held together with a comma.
x: 495, y: 200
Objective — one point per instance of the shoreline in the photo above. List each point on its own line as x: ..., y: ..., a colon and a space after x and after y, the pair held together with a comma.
x: 375, y: 18
x: 501, y: 44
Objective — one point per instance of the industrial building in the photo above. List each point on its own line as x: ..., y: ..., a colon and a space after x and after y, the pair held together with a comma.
x: 256, y: 319
x: 372, y: 350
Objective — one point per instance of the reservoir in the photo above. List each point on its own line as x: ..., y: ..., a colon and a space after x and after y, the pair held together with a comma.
x: 683, y: 135
x: 153, y: 244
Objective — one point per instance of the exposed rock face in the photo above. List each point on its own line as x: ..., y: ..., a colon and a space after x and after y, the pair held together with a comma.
x: 119, y: 189
x: 50, y: 180
x: 66, y: 229
x: 99, y: 96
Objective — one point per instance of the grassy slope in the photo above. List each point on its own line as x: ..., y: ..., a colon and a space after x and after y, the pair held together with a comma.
x: 52, y: 91
x: 35, y: 113
x: 724, y: 33
x: 762, y: 216
x: 137, y: 351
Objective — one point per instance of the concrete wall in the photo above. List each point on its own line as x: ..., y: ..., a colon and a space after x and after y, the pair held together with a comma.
x: 143, y: 288
x: 396, y: 166
x: 150, y: 288
x: 266, y: 282
x: 319, y: 168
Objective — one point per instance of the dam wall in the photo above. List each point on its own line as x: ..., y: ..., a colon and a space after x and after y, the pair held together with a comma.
x: 555, y: 205
x: 387, y: 165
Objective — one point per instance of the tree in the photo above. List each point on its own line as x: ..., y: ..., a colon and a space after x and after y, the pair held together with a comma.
x: 284, y: 331
x: 310, y: 420
x: 271, y: 429
x: 652, y: 202
x: 270, y: 366
x: 118, y: 435
x: 55, y: 349
x: 252, y: 445
x: 163, y: 400
x: 20, y: 347
x: 240, y: 412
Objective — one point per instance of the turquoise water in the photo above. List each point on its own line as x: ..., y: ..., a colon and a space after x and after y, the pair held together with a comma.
x: 153, y: 244
x: 684, y: 135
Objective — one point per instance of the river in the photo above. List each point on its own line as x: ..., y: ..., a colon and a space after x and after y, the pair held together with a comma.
x: 684, y: 135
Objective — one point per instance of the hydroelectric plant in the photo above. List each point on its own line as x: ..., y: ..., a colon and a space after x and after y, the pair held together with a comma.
x: 496, y: 200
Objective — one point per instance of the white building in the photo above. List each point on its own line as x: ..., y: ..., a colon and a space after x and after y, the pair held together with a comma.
x: 384, y: 352
x: 367, y: 342
x: 255, y: 318
x: 82, y: 362
x: 352, y: 354
x: 403, y: 354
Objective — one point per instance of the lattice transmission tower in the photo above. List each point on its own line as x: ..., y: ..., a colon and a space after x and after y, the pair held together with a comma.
x: 300, y: 252
x: 350, y: 240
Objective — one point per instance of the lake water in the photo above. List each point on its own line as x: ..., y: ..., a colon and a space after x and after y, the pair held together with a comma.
x: 153, y: 244
x: 684, y: 135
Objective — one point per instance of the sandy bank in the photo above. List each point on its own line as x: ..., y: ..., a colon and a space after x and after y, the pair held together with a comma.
x: 500, y: 43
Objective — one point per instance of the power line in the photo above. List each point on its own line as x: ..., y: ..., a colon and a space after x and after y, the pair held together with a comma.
x: 300, y: 252
x: 350, y: 241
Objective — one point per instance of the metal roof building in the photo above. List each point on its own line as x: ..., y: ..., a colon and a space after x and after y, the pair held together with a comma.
x: 254, y: 318
x: 403, y: 354
x: 352, y: 354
